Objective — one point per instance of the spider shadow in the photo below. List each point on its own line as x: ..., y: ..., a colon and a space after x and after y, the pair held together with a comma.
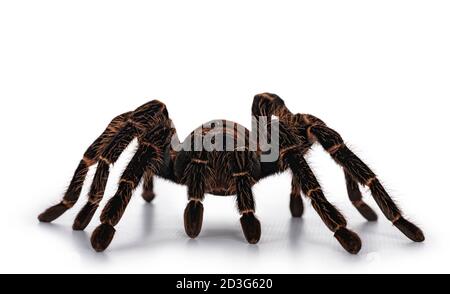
x: 148, y: 226
x: 214, y: 234
x: 146, y: 239
x: 312, y: 236
x: 295, y: 235
x: 79, y: 239
x: 375, y: 229
x: 296, y: 230
x: 372, y: 231
x: 231, y: 238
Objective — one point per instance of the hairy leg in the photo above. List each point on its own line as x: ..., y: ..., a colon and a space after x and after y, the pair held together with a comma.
x: 147, y: 159
x: 268, y: 104
x: 296, y: 202
x: 108, y: 157
x: 141, y: 120
x: 360, y: 172
x: 242, y: 169
x: 356, y: 198
x: 90, y: 158
x: 332, y: 218
x: 196, y: 173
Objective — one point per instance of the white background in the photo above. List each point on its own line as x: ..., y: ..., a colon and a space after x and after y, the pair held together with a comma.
x: 376, y: 71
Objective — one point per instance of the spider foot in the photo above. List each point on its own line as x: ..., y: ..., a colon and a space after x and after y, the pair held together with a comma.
x: 148, y: 195
x: 52, y: 213
x: 296, y: 206
x: 348, y: 239
x: 410, y: 230
x: 193, y: 218
x: 251, y: 227
x: 102, y: 237
x: 84, y: 217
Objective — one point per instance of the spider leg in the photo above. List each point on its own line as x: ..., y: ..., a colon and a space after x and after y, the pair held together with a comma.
x: 148, y: 193
x: 142, y: 119
x: 332, y: 218
x: 196, y: 173
x: 296, y: 202
x: 242, y: 167
x: 360, y: 172
x: 356, y: 198
x: 148, y: 159
x: 147, y: 187
x: 268, y: 104
x: 90, y: 158
x: 108, y: 157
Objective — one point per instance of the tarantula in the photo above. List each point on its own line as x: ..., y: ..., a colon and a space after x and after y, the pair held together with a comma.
x: 228, y: 172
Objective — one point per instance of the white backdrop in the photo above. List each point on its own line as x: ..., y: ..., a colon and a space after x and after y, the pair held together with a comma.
x: 376, y: 71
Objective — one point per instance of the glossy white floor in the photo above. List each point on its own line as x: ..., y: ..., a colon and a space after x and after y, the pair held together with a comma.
x: 151, y: 238
x: 376, y: 72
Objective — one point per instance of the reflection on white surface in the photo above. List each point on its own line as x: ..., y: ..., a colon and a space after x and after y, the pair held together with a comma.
x: 151, y: 238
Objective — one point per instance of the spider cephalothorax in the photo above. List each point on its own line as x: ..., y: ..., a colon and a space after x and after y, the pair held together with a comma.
x: 227, y: 170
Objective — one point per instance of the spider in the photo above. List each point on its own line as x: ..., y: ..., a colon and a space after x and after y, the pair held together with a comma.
x: 224, y: 173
